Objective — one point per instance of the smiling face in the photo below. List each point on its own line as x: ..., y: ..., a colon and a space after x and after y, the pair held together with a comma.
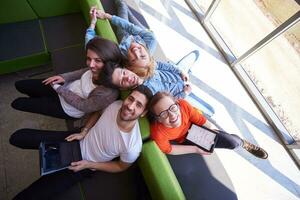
x: 138, y: 56
x: 94, y: 62
x: 167, y: 112
x: 133, y: 106
x: 125, y: 79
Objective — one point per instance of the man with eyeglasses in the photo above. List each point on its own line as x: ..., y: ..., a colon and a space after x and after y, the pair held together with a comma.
x: 171, y: 119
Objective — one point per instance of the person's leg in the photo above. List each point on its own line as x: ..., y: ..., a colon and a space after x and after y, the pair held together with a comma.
x: 31, y: 138
x: 51, y: 185
x: 34, y: 88
x: 134, y: 20
x: 231, y: 141
x: 122, y: 11
x: 228, y: 141
x: 49, y: 106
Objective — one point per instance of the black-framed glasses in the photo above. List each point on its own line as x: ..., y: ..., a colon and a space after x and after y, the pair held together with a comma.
x: 165, y: 114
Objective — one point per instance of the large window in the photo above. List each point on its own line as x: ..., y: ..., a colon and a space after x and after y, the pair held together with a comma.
x: 261, y: 41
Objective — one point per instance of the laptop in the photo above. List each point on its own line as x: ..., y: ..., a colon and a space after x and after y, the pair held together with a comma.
x: 56, y: 156
x: 203, y: 137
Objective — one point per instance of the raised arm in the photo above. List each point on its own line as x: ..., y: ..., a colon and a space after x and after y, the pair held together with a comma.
x: 90, y: 32
x: 132, y: 29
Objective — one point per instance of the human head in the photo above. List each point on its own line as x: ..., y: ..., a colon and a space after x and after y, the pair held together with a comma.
x: 138, y: 55
x: 117, y: 77
x: 99, y: 52
x: 136, y: 103
x: 164, y: 109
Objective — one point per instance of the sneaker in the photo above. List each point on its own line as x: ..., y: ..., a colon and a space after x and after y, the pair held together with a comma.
x: 187, y: 62
x: 255, y: 150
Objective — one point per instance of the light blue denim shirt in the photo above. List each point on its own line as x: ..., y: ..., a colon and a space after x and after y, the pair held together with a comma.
x: 133, y: 33
x: 166, y: 78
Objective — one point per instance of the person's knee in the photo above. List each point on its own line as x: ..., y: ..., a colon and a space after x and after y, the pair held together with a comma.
x: 19, y: 103
x: 235, y: 141
x: 19, y: 85
x: 16, y: 138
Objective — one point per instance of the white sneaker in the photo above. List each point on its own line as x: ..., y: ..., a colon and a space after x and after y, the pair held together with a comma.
x: 188, y: 61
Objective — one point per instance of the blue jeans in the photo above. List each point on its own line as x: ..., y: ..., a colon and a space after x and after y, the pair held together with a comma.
x: 124, y: 12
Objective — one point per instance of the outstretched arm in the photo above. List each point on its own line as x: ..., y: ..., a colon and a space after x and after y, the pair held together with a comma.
x: 111, y: 166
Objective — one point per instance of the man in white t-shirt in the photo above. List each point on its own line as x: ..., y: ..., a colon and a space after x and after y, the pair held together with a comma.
x: 115, y: 134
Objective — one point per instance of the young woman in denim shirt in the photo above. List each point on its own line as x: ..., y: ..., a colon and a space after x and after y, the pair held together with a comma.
x: 138, y: 45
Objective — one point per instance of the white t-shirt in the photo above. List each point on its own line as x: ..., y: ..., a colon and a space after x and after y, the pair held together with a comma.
x: 105, y: 141
x: 82, y: 87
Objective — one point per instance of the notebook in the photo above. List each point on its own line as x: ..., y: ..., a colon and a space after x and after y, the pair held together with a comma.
x: 203, y: 137
x: 56, y: 156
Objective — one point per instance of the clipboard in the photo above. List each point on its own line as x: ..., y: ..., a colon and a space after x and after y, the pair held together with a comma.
x: 204, y: 138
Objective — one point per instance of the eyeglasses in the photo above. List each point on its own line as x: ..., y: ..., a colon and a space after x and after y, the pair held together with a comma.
x: 165, y: 114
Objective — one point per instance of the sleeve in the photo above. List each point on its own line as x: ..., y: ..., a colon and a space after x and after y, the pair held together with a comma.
x: 74, y: 75
x: 132, y: 29
x: 165, y: 66
x: 162, y: 142
x: 195, y: 115
x: 99, y: 99
x: 90, y: 34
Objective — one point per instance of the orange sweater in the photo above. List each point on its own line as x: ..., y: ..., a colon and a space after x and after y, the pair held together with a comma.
x: 162, y: 135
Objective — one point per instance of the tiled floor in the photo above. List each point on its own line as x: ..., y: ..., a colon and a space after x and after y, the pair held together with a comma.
x: 178, y: 32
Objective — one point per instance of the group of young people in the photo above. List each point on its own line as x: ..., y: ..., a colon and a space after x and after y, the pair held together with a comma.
x: 110, y: 139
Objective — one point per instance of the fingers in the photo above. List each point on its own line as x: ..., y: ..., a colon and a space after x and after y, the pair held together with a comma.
x: 71, y: 137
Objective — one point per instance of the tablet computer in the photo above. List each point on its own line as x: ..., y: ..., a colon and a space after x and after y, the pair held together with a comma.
x: 203, y: 137
x: 55, y: 156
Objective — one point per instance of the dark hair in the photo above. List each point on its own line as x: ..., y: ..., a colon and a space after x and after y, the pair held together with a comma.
x: 144, y: 90
x: 105, y: 77
x: 106, y: 49
x: 154, y: 100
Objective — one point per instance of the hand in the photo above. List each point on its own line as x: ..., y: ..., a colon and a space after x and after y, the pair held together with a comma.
x: 184, y: 76
x: 201, y: 152
x: 54, y: 80
x: 75, y: 136
x: 93, y: 14
x: 187, y: 89
x: 103, y: 15
x: 79, y: 165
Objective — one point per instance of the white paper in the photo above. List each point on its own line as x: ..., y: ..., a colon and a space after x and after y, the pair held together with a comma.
x: 201, y: 137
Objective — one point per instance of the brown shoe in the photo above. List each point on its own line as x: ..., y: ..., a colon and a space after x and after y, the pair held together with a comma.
x: 255, y: 150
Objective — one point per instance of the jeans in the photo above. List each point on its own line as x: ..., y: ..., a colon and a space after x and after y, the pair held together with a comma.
x: 124, y: 12
x: 50, y: 185
x: 42, y: 99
